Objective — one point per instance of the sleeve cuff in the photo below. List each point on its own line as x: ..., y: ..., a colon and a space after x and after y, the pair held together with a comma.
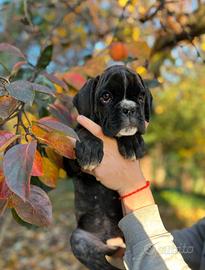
x: 141, y: 224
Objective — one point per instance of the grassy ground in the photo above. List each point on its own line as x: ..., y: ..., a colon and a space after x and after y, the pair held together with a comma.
x: 48, y: 249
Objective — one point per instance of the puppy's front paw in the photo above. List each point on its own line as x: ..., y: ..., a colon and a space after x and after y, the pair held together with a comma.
x: 131, y: 147
x: 127, y: 150
x: 89, y: 153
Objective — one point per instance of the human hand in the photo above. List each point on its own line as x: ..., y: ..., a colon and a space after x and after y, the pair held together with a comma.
x: 117, y: 173
x: 114, y: 171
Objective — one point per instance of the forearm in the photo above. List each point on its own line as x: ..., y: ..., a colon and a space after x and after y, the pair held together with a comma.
x: 148, y: 244
x: 134, y: 181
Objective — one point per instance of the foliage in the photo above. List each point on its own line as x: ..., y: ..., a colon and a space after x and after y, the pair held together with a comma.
x: 177, y: 128
x: 48, y: 50
x: 193, y: 206
x: 30, y: 148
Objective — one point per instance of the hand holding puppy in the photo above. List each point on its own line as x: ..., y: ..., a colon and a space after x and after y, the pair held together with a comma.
x: 117, y: 173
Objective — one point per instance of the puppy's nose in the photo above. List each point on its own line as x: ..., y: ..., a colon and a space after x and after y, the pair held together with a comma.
x: 129, y: 111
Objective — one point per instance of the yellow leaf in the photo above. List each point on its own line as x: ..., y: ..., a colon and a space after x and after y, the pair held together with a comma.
x: 203, y: 46
x: 141, y: 70
x: 160, y: 79
x: 61, y: 32
x: 122, y: 3
x: 58, y: 88
x: 131, y: 8
x: 62, y: 173
x: 136, y: 34
x: 141, y: 10
x: 50, y: 173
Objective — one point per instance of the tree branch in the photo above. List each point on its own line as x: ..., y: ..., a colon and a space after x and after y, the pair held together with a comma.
x: 195, y: 27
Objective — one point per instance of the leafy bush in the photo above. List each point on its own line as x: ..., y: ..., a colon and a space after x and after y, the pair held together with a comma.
x: 33, y: 147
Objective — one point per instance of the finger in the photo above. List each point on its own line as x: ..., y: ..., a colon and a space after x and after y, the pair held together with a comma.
x: 91, y: 126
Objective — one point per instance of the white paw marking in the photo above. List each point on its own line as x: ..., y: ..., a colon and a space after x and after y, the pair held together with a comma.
x: 133, y: 157
x: 90, y: 167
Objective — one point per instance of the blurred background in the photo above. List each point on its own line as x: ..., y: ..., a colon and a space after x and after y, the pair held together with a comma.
x: 164, y: 41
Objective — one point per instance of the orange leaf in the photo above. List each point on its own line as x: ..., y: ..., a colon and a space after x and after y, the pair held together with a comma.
x: 62, y: 144
x: 37, y: 169
x: 50, y: 173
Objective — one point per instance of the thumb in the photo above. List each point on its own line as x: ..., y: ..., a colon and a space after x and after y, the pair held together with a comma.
x: 91, y: 126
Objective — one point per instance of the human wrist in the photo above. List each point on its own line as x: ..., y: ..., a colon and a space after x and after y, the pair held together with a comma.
x: 137, y: 200
x: 133, y: 179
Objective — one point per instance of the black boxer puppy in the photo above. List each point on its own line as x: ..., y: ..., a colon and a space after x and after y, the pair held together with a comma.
x: 119, y: 102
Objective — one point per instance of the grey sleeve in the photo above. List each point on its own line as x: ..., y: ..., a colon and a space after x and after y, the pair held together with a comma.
x: 190, y: 243
x: 148, y: 244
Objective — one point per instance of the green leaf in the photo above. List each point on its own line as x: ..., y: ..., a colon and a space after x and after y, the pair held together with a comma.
x: 37, y: 208
x: 45, y: 57
x: 21, y: 90
x: 17, y: 166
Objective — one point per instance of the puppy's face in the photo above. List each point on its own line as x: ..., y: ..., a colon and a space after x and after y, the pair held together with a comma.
x: 120, y: 104
x: 118, y: 100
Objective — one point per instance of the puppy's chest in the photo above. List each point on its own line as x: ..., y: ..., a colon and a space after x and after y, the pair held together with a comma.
x: 92, y: 197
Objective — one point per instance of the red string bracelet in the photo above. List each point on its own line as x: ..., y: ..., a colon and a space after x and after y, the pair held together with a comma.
x: 135, y: 191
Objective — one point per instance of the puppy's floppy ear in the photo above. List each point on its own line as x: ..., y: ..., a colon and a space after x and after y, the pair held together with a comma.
x: 84, y: 100
x: 148, y: 100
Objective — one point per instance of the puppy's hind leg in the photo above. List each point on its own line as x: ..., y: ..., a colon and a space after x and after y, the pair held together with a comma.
x: 91, y: 251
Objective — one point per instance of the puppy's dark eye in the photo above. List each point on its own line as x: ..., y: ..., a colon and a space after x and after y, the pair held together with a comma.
x: 106, y: 97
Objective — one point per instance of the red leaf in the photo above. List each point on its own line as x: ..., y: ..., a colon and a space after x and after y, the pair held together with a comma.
x: 37, y: 169
x: 36, y: 209
x: 74, y: 79
x: 6, y: 138
x: 4, y: 190
x: 17, y: 166
x: 5, y: 47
